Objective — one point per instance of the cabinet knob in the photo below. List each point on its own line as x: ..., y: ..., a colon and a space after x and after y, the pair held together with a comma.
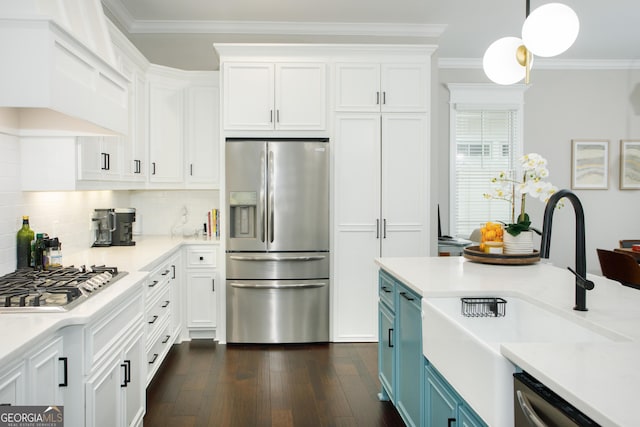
x: 201, y: 258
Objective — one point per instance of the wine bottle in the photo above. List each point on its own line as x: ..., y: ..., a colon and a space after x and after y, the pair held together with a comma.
x: 24, y: 238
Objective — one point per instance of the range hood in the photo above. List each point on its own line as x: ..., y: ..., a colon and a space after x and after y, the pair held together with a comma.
x: 58, y: 74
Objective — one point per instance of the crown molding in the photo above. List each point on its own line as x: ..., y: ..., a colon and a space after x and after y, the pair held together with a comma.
x: 286, y: 28
x: 549, y: 64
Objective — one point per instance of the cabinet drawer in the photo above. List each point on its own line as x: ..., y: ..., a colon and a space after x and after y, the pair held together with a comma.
x: 386, y: 288
x: 103, y: 334
x: 158, y: 350
x: 159, y: 276
x: 157, y: 311
x: 201, y: 257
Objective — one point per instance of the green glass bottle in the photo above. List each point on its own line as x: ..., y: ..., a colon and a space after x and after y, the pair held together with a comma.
x: 24, y: 238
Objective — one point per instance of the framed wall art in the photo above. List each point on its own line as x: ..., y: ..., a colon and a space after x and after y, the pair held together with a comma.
x: 630, y: 164
x: 590, y: 164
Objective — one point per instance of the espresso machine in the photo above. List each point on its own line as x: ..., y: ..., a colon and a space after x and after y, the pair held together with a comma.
x: 123, y: 233
x: 103, y: 223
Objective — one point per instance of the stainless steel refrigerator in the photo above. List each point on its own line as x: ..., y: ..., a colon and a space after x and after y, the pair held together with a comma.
x: 277, y: 260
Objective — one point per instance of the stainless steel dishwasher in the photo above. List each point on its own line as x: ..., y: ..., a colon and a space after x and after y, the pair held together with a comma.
x: 537, y: 406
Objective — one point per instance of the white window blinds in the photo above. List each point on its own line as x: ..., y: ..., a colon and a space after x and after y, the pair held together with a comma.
x: 485, y: 143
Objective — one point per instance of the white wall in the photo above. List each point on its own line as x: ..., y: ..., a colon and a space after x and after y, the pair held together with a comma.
x: 562, y: 105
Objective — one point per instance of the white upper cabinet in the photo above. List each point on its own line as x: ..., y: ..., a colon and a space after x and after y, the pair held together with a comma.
x: 280, y: 96
x: 372, y: 87
x: 166, y: 129
x: 300, y: 102
x: 99, y: 158
x: 202, y: 135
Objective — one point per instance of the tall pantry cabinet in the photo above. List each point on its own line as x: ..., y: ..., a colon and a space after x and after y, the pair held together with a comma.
x: 381, y: 166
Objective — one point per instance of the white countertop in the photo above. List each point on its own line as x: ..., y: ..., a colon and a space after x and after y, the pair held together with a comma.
x: 600, y: 379
x: 19, y: 331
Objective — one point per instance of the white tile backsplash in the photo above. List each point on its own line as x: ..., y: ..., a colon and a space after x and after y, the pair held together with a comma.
x: 163, y: 212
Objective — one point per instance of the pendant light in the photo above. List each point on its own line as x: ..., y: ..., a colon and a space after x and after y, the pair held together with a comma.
x: 548, y: 31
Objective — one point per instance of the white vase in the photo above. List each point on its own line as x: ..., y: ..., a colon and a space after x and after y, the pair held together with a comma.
x: 520, y: 244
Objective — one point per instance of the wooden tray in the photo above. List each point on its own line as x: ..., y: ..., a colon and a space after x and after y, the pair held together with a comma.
x: 473, y: 253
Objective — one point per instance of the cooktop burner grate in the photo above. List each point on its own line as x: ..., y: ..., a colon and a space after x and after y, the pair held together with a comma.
x: 53, y: 290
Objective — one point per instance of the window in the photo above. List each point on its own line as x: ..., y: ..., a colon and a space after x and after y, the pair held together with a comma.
x: 486, y: 129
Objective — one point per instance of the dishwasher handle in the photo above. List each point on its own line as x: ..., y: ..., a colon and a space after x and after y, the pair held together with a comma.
x: 277, y: 285
x: 533, y: 418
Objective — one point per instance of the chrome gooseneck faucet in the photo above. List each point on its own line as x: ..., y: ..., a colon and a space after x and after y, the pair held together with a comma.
x: 582, y: 283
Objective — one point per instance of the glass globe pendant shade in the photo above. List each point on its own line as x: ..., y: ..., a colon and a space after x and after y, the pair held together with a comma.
x: 550, y: 29
x: 500, y: 61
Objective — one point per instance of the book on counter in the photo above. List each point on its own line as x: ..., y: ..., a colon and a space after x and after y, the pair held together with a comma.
x: 213, y: 223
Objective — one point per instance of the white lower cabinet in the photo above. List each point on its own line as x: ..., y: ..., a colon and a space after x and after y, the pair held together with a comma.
x: 114, y: 394
x: 13, y: 383
x: 116, y: 369
x: 48, y: 374
x: 201, y: 291
x: 162, y: 314
x: 40, y: 377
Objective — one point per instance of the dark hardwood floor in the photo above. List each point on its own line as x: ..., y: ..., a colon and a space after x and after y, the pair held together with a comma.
x: 202, y: 383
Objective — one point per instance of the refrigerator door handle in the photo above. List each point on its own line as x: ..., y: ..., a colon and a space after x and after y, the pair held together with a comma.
x: 277, y: 258
x: 271, y: 195
x: 277, y: 286
x: 262, y: 202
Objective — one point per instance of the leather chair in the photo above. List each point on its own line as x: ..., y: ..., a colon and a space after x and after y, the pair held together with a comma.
x: 620, y: 267
x: 629, y: 243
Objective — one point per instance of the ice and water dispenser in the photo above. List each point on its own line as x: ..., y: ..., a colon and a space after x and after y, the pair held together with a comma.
x: 242, y: 210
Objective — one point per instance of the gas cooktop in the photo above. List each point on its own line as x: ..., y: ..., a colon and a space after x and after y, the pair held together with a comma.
x: 56, y: 290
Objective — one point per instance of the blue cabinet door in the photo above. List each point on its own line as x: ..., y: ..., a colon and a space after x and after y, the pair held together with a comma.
x: 468, y: 418
x: 440, y: 403
x: 386, y: 351
x: 410, y: 358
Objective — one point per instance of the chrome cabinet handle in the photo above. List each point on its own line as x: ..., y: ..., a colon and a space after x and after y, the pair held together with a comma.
x: 528, y: 411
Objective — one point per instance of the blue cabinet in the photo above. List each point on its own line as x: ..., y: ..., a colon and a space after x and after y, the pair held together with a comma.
x: 443, y: 406
x: 410, y: 357
x: 400, y: 358
x: 386, y: 351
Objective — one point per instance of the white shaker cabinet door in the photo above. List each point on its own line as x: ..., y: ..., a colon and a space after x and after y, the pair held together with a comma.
x: 47, y: 374
x: 358, y: 87
x: 404, y: 88
x: 202, y: 136
x: 166, y: 130
x: 201, y: 299
x: 300, y: 99
x: 248, y: 96
x: 357, y: 226
x: 405, y: 187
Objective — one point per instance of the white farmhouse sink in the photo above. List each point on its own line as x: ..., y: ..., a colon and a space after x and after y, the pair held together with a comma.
x: 466, y: 350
